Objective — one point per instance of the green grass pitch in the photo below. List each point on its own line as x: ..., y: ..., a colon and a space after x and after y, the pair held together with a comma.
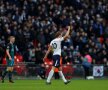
x: 56, y: 85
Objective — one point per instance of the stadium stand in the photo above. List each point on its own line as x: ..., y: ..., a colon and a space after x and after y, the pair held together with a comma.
x: 34, y: 22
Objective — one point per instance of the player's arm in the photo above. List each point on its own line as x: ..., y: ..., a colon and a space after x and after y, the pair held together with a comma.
x: 67, y: 33
x: 48, y: 51
x: 7, y: 52
x: 16, y: 48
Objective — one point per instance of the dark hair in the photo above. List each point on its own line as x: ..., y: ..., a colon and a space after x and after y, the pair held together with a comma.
x: 58, y: 34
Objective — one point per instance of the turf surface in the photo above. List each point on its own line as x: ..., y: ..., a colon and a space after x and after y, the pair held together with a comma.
x: 56, y: 85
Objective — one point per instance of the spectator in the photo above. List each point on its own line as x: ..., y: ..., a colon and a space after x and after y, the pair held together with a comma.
x: 38, y: 20
x: 86, y: 62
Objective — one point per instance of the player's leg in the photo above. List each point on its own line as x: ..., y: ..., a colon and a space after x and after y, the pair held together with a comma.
x: 50, y: 75
x: 4, y: 74
x: 62, y: 76
x: 10, y: 74
x: 11, y: 71
x: 57, y: 64
x: 56, y: 59
x: 6, y: 71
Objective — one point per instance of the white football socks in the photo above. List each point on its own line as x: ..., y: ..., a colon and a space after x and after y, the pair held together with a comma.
x: 50, y: 75
x: 62, y: 76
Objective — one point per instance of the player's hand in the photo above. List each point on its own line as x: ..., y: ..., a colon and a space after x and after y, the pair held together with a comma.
x: 69, y: 27
x: 10, y: 58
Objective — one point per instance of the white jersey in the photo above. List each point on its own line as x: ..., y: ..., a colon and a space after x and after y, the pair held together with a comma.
x: 56, y: 45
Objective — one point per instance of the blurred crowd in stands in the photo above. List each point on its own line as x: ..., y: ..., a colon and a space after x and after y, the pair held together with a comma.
x: 34, y: 23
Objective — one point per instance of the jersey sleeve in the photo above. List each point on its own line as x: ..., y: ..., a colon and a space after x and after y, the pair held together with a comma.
x: 8, y: 47
x: 51, y: 44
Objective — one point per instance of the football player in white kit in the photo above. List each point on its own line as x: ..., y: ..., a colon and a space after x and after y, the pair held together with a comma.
x: 55, y: 46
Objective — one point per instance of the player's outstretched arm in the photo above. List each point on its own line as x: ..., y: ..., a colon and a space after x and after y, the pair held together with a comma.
x: 67, y: 33
x: 48, y: 51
